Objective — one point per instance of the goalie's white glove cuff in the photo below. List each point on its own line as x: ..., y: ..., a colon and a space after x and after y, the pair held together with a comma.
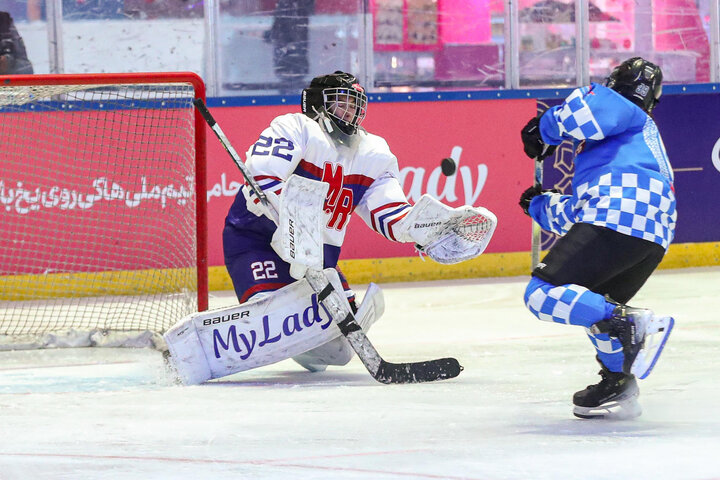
x: 255, y: 206
x: 297, y: 270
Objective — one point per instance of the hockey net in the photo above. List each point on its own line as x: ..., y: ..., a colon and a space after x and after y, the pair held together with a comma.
x: 103, y: 198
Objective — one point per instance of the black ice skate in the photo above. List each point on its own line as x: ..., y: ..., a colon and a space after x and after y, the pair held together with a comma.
x: 614, y: 397
x: 642, y: 335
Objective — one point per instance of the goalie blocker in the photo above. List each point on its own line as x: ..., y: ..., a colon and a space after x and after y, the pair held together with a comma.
x: 280, y: 325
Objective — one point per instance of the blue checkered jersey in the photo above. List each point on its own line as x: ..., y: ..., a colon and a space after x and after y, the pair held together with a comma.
x: 623, y: 179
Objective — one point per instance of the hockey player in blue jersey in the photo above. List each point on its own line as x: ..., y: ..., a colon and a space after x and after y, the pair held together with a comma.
x: 615, y: 228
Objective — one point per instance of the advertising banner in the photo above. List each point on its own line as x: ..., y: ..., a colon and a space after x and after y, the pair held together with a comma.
x: 690, y: 128
x: 86, y: 191
x: 482, y: 136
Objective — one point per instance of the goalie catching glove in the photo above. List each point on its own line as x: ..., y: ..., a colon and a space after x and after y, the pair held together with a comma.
x: 445, y: 234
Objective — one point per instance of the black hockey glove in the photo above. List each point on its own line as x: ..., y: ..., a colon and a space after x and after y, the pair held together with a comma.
x: 531, y: 193
x: 532, y: 141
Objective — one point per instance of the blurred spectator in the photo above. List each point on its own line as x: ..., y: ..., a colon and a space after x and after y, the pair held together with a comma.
x: 13, y: 57
x: 289, y: 37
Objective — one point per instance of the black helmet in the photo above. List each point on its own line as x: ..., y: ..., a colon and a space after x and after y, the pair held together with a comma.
x: 637, y: 80
x: 340, y: 97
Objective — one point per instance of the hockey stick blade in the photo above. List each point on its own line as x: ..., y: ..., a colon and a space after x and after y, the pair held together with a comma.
x: 387, y: 372
x: 418, y: 372
x: 381, y: 370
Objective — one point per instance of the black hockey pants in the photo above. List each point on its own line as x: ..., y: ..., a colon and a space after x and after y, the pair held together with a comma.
x: 601, y: 260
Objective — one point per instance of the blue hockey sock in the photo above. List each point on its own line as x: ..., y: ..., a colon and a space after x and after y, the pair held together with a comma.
x: 575, y: 305
x: 569, y: 304
x: 609, y: 351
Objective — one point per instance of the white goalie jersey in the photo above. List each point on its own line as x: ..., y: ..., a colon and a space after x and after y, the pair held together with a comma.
x: 362, y: 178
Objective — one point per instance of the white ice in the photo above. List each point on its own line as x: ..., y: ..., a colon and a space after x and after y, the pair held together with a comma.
x: 112, y: 414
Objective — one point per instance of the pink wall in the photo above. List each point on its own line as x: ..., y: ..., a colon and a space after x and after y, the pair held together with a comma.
x: 464, y: 21
x: 678, y: 27
x: 493, y: 170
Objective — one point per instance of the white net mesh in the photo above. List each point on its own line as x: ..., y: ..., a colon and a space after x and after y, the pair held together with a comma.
x: 98, y: 205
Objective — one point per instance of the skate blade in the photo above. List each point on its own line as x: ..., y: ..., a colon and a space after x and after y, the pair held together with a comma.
x: 657, y: 332
x: 619, y: 410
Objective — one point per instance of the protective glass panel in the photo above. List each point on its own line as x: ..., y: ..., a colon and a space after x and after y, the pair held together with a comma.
x: 279, y: 46
x: 674, y: 34
x: 111, y: 36
x: 118, y: 36
x: 255, y: 47
x: 424, y: 44
x: 547, y: 43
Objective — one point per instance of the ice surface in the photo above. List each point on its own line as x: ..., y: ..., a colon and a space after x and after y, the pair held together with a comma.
x: 114, y: 414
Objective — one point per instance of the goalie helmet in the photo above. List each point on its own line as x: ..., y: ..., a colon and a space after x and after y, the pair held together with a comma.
x: 639, y: 81
x: 337, y: 102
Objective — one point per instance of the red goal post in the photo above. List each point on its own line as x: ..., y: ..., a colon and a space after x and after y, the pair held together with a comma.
x: 104, y: 207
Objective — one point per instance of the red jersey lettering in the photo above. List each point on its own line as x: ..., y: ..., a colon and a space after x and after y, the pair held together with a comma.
x: 339, y: 200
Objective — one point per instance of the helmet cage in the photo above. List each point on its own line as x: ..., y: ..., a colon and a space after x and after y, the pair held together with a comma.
x: 346, y: 107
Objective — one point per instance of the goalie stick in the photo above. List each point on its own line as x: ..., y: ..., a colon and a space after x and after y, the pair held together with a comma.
x: 381, y: 370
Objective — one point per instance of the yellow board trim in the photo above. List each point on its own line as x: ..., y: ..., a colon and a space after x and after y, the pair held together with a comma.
x: 685, y: 255
x: 379, y: 270
x: 408, y: 269
x: 126, y: 282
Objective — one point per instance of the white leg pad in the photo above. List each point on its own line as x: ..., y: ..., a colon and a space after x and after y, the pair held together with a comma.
x: 260, y: 332
x: 338, y: 351
x: 371, y: 308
